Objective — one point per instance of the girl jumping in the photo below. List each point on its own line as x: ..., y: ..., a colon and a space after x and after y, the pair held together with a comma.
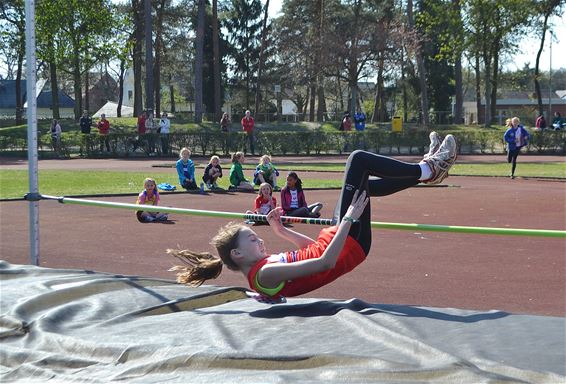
x: 337, y: 250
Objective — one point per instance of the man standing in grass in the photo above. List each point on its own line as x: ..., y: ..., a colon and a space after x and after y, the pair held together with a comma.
x: 85, y: 123
x: 103, y: 129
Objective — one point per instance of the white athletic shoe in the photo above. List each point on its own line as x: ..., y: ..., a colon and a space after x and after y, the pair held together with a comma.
x: 442, y: 160
x: 434, y: 144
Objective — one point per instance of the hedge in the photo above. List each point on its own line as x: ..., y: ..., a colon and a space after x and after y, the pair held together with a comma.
x: 206, y: 142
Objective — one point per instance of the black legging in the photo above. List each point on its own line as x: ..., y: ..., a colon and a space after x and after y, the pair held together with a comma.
x: 394, y: 176
x: 512, y: 158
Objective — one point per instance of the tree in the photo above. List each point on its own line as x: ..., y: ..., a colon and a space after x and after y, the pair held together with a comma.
x: 420, y: 66
x: 51, y: 46
x: 493, y: 27
x: 13, y: 33
x: 434, y: 23
x: 137, y: 54
x: 458, y: 39
x: 87, y: 36
x: 261, y: 58
x: 387, y: 47
x: 298, y: 38
x: 216, y: 61
x: 544, y: 9
x: 199, y: 42
x: 121, y: 46
x: 244, y: 26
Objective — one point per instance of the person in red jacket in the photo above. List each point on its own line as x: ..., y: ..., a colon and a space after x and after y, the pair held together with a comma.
x: 248, y: 127
x: 103, y: 128
x: 337, y: 250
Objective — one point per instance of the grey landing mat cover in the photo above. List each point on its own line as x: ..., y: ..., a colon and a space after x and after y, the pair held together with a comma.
x: 84, y: 326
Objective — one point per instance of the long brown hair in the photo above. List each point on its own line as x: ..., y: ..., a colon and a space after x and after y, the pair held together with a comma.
x: 202, y: 266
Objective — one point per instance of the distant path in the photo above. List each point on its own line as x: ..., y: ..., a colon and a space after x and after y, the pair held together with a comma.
x: 151, y: 163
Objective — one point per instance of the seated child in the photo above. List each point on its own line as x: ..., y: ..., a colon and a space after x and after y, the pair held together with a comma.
x: 265, y: 172
x: 264, y: 202
x: 186, y: 170
x: 212, y: 172
x: 237, y: 179
x: 149, y: 196
x: 293, y: 199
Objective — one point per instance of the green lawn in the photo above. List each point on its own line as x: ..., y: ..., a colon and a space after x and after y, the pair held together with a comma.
x: 14, y: 183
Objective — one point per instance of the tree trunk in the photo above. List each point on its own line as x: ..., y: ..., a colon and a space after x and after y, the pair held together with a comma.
x: 87, y: 102
x: 494, y: 78
x: 172, y: 96
x: 158, y: 54
x: 379, y: 107
x: 137, y: 56
x: 478, y: 88
x: 199, y: 61
x: 54, y: 90
x: 382, y: 94
x: 312, y: 99
x: 261, y: 59
x: 149, y: 102
x: 459, y: 90
x: 306, y: 104
x: 487, y: 117
x: 121, y: 87
x: 459, y: 87
x: 77, y: 84
x: 404, y: 84
x: 421, y: 69
x: 19, y: 99
x: 537, y: 62
x: 321, y: 103
x: 341, y: 98
x: 216, y: 62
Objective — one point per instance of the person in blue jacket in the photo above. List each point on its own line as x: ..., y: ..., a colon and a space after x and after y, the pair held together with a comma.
x: 516, y: 137
x: 360, y: 120
x: 186, y: 170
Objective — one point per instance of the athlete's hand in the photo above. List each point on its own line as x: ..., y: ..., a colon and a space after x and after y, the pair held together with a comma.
x: 359, y: 202
x: 274, y: 219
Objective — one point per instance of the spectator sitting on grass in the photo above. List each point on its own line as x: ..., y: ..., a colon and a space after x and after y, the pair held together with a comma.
x: 186, y: 170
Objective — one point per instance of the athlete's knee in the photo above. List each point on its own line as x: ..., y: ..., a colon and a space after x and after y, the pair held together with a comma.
x: 357, y: 157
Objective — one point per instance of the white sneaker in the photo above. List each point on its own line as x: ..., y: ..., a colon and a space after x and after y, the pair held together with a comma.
x: 442, y: 160
x: 434, y: 144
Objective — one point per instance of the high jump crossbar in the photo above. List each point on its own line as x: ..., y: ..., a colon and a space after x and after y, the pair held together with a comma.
x: 304, y: 220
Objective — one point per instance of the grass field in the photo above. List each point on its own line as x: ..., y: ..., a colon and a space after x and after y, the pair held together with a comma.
x: 14, y: 183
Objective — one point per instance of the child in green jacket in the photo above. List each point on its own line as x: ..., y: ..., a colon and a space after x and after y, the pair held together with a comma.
x: 237, y: 179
